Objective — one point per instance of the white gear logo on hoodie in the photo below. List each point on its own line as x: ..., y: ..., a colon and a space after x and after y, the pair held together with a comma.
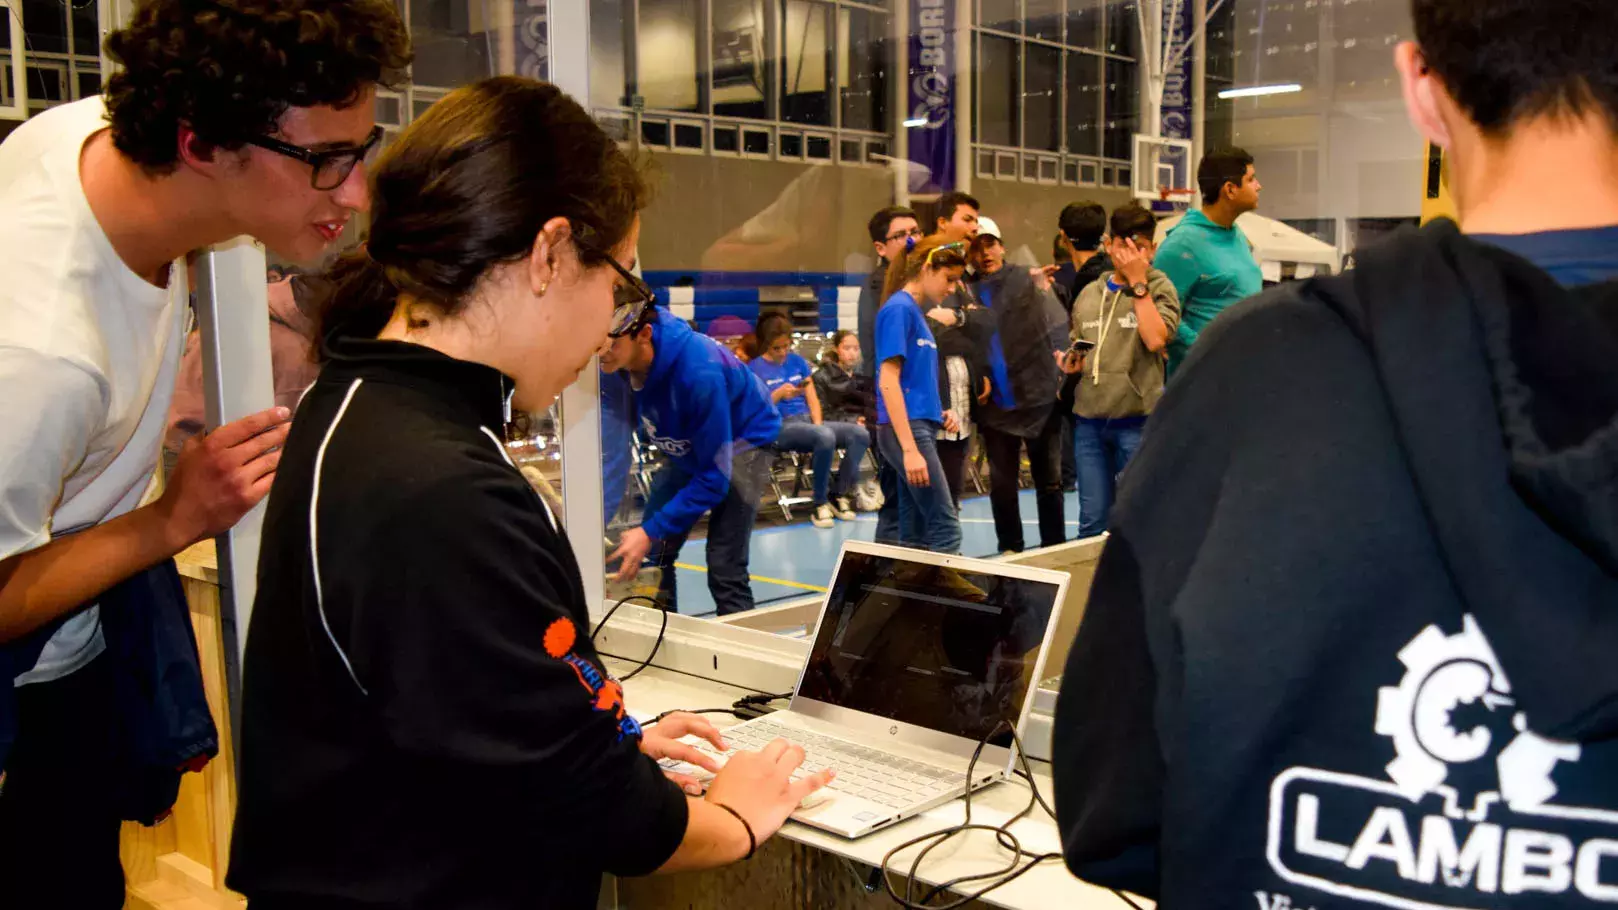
x: 1464, y: 818
x: 1444, y: 675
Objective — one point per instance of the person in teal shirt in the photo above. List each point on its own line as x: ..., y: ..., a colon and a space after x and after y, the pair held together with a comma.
x: 1206, y: 255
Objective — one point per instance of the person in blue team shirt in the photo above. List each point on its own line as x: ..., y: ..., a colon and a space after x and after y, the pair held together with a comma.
x: 789, y: 380
x: 910, y: 413
x: 712, y: 419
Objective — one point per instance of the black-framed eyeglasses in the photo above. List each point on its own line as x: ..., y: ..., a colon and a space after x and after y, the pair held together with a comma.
x: 329, y: 168
x: 633, y: 300
x: 904, y: 235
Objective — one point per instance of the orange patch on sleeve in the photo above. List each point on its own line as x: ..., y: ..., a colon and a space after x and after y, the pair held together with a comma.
x: 559, y: 638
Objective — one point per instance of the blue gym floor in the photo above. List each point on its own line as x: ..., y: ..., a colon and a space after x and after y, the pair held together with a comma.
x: 794, y: 560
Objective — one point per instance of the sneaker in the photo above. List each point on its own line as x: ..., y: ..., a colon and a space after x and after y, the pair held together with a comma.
x: 844, y: 509
x: 822, y: 517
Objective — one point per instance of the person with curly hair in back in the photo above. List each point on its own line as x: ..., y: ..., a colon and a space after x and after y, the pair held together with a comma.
x: 226, y: 118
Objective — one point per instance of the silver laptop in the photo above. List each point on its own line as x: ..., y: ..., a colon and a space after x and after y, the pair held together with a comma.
x: 916, y: 658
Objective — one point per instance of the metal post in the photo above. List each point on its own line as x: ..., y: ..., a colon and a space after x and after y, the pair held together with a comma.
x: 1199, y: 87
x: 899, y: 30
x: 18, y: 108
x: 581, y: 402
x: 963, y: 95
x: 232, y: 302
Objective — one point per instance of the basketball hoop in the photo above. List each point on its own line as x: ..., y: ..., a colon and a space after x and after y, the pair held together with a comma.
x: 1180, y: 195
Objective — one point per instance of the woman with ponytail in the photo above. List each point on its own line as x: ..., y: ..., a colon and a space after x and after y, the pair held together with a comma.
x: 425, y: 722
x: 910, y: 414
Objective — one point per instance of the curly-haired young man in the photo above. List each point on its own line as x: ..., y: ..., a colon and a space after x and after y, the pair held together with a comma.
x: 228, y: 117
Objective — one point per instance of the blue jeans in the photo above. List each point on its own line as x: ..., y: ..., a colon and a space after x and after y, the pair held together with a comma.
x: 800, y: 434
x: 927, y: 517
x: 730, y: 532
x: 1101, y: 450
x: 887, y: 478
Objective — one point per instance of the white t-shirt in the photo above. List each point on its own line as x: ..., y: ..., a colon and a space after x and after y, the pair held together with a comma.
x: 88, y: 353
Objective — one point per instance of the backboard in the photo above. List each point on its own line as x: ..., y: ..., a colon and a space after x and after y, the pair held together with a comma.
x: 1164, y: 170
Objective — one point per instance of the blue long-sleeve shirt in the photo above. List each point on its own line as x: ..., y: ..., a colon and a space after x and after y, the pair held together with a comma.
x: 697, y: 404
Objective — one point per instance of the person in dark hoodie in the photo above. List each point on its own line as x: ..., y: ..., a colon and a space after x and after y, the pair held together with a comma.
x: 1351, y: 643
x: 1082, y: 225
x: 713, y: 421
x: 425, y: 721
x: 955, y: 324
x: 1023, y: 325
x: 1080, y: 229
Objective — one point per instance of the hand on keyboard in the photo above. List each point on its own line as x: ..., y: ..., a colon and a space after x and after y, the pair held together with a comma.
x: 761, y: 785
x: 662, y: 742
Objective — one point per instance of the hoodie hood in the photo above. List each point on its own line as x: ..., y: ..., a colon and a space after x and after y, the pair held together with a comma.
x: 670, y: 335
x: 1504, y: 392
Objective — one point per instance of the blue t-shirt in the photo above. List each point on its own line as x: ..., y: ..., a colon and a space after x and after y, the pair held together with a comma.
x: 901, y: 332
x: 1574, y: 258
x: 794, y: 370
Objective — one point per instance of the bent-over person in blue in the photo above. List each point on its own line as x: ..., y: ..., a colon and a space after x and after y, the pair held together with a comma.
x: 712, y: 420
x: 910, y: 415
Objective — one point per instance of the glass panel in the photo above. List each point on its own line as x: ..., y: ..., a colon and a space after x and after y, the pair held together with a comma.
x: 729, y: 238
x: 46, y: 28
x: 1222, y: 43
x: 1044, y: 19
x: 1123, y: 27
x: 654, y: 132
x: 667, y: 54
x: 862, y: 46
x: 997, y: 92
x: 608, y: 60
x: 1041, y: 106
x: 86, y: 28
x: 47, y: 82
x: 89, y: 84
x: 1004, y: 15
x: 805, y: 81
x: 1123, y: 110
x: 388, y: 110
x: 1083, y: 104
x: 1084, y: 23
x: 687, y: 136
x: 740, y: 55
x: 453, y: 42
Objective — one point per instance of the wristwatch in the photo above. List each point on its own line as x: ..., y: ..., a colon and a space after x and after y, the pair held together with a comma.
x: 1139, y: 289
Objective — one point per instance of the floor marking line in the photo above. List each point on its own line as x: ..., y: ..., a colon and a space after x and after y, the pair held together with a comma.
x: 767, y: 580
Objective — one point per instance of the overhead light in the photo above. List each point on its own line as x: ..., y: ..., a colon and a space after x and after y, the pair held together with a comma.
x: 1258, y: 91
x: 916, y: 123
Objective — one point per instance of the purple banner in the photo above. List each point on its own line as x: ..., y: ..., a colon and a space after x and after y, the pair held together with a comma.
x: 930, y: 115
x: 1177, y: 95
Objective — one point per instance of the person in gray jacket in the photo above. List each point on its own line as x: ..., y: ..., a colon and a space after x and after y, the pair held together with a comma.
x: 1122, y: 323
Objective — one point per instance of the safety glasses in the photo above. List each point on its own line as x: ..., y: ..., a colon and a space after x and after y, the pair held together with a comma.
x: 634, y: 304
x: 958, y: 247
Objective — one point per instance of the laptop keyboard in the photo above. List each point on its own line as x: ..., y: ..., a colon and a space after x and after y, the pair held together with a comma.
x: 881, y: 777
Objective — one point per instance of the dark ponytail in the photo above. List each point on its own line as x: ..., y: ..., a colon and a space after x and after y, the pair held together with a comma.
x: 468, y: 186
x: 361, y: 299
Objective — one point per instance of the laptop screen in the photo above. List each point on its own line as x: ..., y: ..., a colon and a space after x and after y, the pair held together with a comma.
x: 944, y: 648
